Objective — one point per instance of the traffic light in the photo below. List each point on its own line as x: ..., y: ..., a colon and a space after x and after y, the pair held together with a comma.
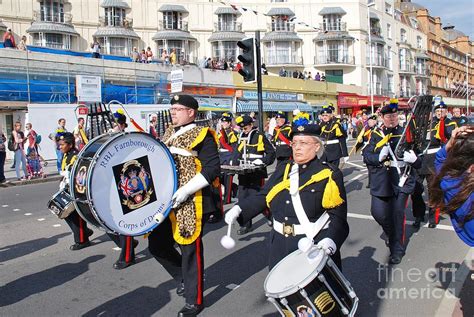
x: 248, y: 59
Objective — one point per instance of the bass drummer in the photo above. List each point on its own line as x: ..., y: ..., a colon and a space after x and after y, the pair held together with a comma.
x: 307, y: 200
x: 78, y: 226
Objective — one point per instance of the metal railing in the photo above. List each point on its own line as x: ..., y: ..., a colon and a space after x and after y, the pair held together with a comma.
x: 60, y: 17
x: 281, y: 27
x: 334, y: 59
x: 376, y: 30
x: 173, y: 25
x: 116, y: 21
x: 228, y: 27
x: 278, y: 59
x: 377, y: 61
x: 333, y: 27
x: 422, y: 70
x: 406, y: 67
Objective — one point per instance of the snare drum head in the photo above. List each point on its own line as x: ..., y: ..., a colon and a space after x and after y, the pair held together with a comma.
x: 133, y: 178
x: 294, y: 272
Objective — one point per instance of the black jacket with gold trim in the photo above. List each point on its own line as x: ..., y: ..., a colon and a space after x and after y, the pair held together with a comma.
x: 332, y: 131
x: 280, y: 137
x: 258, y: 147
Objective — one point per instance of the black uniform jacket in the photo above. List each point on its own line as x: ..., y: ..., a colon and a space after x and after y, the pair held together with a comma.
x: 257, y: 145
x: 281, y: 206
x: 384, y: 180
x: 332, y: 130
x: 280, y: 138
x: 228, y: 141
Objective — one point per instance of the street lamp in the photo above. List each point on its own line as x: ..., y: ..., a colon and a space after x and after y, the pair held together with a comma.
x: 467, y: 83
x: 371, y: 90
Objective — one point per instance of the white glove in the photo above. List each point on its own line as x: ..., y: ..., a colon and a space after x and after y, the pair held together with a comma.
x: 384, y: 153
x: 65, y: 174
x: 258, y: 162
x: 196, y: 183
x: 327, y: 245
x: 409, y: 157
x: 346, y: 159
x: 232, y: 214
x: 62, y: 185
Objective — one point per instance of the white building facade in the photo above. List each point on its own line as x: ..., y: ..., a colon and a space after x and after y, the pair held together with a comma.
x: 329, y: 37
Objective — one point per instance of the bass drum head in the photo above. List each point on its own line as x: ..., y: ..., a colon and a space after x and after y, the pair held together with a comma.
x: 284, y: 279
x: 133, y: 177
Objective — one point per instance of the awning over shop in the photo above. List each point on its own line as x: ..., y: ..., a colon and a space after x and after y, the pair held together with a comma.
x: 252, y: 105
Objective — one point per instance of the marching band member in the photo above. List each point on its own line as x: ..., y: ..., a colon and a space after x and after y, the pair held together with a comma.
x: 299, y: 193
x: 440, y: 135
x: 333, y: 136
x: 364, y: 138
x: 389, y: 189
x: 78, y: 226
x: 228, y: 155
x: 281, y: 138
x: 194, y: 149
x: 256, y: 149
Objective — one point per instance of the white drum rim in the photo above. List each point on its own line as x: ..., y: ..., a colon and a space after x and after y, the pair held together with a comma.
x: 292, y: 290
x: 94, y: 162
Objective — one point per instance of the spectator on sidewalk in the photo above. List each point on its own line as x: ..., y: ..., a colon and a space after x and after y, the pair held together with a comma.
x: 9, y: 39
x: 80, y: 136
x: 20, y: 157
x: 3, y: 154
x: 95, y: 48
x: 31, y: 137
x: 55, y: 136
x: 22, y: 45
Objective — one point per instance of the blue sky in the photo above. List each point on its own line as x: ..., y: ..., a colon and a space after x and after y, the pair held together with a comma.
x: 459, y: 13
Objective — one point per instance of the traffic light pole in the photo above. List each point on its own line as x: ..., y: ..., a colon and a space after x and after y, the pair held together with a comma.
x: 259, y: 82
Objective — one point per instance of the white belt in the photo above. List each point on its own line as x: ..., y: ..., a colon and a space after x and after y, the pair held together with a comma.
x: 280, y: 143
x: 223, y: 150
x: 432, y: 151
x: 397, y: 164
x: 181, y: 151
x: 331, y: 142
x: 255, y: 156
x: 287, y: 230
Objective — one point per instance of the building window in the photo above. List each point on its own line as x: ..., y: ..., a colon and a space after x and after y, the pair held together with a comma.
x: 280, y: 23
x: 419, y: 42
x: 114, y: 16
x: 403, y: 35
x: 332, y: 22
x: 172, y: 21
x: 182, y: 49
x: 227, y: 22
x: 52, y: 11
x: 389, y: 58
x: 389, y: 31
x: 388, y: 8
x: 390, y: 84
x: 225, y: 50
x: 282, y: 53
x: 52, y: 40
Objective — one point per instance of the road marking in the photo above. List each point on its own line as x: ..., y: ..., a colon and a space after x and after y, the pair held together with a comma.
x: 57, y: 225
x: 368, y: 217
x: 16, y: 209
x: 116, y: 249
x: 4, y: 206
x: 28, y: 214
x: 232, y: 286
x: 41, y: 219
x: 355, y: 178
x: 356, y: 165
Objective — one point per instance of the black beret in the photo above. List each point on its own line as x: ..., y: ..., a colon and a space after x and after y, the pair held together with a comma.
x: 120, y: 117
x: 373, y: 116
x: 308, y: 129
x: 67, y: 137
x: 441, y: 105
x: 226, y: 117
x: 326, y: 110
x: 185, y: 100
x: 244, y: 120
x: 281, y: 114
x: 390, y: 108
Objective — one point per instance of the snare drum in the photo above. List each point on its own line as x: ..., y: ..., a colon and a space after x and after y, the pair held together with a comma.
x: 120, y: 181
x: 61, y: 204
x: 310, y: 283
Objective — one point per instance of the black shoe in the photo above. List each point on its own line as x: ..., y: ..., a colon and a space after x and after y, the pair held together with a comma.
x: 432, y: 225
x: 78, y: 246
x: 395, y: 259
x: 180, y: 290
x: 135, y: 243
x: 214, y: 218
x: 120, y: 265
x: 190, y: 310
x: 418, y: 222
x: 244, y: 230
x: 89, y: 232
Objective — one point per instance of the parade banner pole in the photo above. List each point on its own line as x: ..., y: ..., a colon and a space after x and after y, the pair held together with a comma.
x: 259, y: 81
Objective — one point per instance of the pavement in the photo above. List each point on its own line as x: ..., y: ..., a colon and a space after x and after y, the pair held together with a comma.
x: 41, y: 277
x: 50, y: 173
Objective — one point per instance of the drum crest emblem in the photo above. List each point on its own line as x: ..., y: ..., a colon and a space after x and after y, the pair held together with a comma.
x: 134, y: 184
x: 80, y: 180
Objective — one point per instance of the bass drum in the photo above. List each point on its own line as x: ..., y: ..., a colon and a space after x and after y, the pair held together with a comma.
x: 120, y: 181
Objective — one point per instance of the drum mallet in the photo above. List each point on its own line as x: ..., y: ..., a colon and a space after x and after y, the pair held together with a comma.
x: 227, y: 241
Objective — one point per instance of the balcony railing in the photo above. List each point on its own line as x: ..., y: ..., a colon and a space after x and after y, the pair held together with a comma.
x: 174, y: 25
x: 422, y: 70
x: 281, y: 27
x: 333, y: 27
x: 377, y: 61
x: 406, y: 67
x: 60, y: 17
x: 277, y: 59
x: 376, y: 31
x: 334, y: 59
x: 116, y: 21
x: 228, y: 27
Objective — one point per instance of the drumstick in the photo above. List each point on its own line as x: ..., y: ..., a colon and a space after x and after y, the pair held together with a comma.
x: 227, y: 241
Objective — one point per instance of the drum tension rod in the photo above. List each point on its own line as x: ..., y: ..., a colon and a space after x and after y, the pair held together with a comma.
x: 305, y: 295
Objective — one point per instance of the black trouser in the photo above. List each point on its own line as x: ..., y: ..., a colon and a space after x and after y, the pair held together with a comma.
x: 3, y: 154
x: 127, y: 254
x: 78, y: 227
x: 419, y: 206
x: 389, y: 212
x: 227, y: 180
x: 187, y: 266
x: 249, y: 185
